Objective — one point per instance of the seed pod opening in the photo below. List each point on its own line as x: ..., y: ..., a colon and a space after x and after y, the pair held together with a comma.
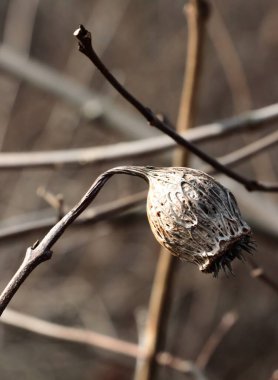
x: 196, y: 218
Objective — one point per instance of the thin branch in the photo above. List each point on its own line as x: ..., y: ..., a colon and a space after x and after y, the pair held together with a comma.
x: 246, y: 152
x: 152, y: 332
x: 96, y: 340
x: 161, y: 288
x: 56, y: 201
x: 71, y: 334
x: 238, y: 83
x: 90, y: 105
x: 107, y: 153
x: 35, y: 222
x: 91, y: 215
x: 41, y: 251
x: 230, y: 61
x: 240, y: 91
x: 85, y: 46
x: 99, y: 213
x: 210, y: 346
x: 196, y: 12
x: 259, y: 273
x: 180, y: 365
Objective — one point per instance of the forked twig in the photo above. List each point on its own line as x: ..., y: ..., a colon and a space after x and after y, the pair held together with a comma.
x: 85, y: 46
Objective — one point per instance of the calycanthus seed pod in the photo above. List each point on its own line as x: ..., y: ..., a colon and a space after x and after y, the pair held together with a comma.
x: 195, y: 217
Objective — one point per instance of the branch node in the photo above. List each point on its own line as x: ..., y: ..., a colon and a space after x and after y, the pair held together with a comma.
x: 47, y: 255
x: 37, y: 255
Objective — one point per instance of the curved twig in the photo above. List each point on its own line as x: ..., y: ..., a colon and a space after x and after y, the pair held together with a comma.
x: 85, y: 46
x: 41, y: 251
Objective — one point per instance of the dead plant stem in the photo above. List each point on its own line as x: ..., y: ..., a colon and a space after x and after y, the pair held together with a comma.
x: 164, y: 273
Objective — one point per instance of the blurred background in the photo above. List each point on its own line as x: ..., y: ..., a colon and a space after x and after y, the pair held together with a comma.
x: 101, y: 274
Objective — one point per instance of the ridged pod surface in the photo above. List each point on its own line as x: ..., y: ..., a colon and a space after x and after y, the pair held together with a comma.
x: 196, y: 218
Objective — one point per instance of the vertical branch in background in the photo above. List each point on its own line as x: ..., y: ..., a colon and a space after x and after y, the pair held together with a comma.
x: 196, y: 13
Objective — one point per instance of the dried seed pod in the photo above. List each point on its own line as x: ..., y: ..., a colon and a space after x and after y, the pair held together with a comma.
x: 195, y: 217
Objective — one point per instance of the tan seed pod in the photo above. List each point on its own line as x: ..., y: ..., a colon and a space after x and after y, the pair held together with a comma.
x: 195, y: 217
